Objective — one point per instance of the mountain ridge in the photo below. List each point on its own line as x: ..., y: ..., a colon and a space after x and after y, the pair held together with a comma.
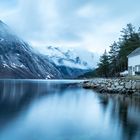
x: 69, y: 57
x: 19, y: 60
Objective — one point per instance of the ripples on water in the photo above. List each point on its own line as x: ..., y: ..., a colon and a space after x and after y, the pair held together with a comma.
x: 58, y: 110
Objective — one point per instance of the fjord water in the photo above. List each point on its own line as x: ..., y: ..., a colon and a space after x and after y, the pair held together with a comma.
x: 62, y: 110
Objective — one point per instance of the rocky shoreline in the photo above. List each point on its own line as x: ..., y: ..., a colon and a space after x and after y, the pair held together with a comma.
x: 116, y: 86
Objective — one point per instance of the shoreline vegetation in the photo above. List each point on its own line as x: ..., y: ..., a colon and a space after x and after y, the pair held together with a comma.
x: 114, y: 85
x: 114, y: 61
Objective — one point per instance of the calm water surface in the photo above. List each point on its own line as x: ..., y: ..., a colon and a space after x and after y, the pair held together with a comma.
x: 61, y: 110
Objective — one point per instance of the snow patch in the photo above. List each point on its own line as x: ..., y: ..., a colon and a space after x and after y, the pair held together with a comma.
x: 74, y: 58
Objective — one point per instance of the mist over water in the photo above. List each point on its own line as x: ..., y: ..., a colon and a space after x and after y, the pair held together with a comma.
x: 61, y: 110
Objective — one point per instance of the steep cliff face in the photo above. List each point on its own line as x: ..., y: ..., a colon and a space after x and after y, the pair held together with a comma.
x: 19, y: 60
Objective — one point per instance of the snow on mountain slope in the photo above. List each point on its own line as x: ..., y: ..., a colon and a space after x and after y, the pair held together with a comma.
x: 70, y: 57
x: 19, y: 60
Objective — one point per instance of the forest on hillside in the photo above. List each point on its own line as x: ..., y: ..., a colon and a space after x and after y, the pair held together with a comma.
x: 114, y: 61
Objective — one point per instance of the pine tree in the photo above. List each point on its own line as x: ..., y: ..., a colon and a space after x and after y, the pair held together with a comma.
x: 117, y: 61
x: 103, y: 66
x: 113, y: 58
x: 130, y: 41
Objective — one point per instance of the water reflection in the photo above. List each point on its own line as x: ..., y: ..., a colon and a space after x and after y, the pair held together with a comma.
x: 125, y: 110
x: 16, y: 95
x: 53, y: 110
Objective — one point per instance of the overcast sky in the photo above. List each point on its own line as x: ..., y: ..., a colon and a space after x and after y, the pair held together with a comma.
x: 89, y: 24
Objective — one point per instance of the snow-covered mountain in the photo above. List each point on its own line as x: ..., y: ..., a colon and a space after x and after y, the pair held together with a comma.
x: 72, y: 62
x: 70, y: 57
x: 19, y: 60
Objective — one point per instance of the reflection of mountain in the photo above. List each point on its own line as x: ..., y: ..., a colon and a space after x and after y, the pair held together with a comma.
x: 19, y: 60
x: 16, y: 95
x: 13, y: 92
x: 116, y: 115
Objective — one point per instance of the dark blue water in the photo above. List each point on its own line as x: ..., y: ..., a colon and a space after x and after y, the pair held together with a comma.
x: 61, y: 110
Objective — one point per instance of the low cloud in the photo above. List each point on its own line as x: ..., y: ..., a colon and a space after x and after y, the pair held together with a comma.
x: 87, y: 24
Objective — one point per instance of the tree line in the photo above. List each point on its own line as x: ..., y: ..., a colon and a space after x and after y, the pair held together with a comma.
x: 115, y: 61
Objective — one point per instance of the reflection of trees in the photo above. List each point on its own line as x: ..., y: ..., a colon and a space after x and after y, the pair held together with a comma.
x: 104, y: 101
x: 130, y: 126
x: 123, y: 111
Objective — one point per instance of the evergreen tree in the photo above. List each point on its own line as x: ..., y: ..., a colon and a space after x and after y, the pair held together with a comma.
x: 117, y: 61
x: 113, y: 58
x: 103, y: 66
x: 130, y: 41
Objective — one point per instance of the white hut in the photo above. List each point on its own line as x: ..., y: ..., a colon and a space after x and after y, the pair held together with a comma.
x: 134, y: 62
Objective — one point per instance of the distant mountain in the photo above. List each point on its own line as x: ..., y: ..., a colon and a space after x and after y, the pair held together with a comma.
x: 70, y: 57
x: 71, y: 62
x: 19, y: 60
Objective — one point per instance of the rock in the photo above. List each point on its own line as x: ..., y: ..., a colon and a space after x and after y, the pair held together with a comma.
x: 129, y: 91
x: 138, y: 85
x: 128, y: 85
x: 116, y: 84
x: 134, y: 85
x: 122, y: 83
x: 120, y: 86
